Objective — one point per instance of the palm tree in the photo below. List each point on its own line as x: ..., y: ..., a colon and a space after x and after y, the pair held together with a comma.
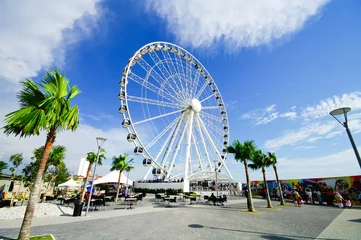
x: 16, y: 160
x: 43, y: 106
x: 261, y: 161
x: 92, y: 158
x: 242, y: 152
x: 120, y: 164
x: 273, y: 159
x: 3, y: 166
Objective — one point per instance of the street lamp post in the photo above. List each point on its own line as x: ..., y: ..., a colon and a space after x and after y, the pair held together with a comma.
x: 216, y: 169
x: 100, y: 142
x: 343, y: 111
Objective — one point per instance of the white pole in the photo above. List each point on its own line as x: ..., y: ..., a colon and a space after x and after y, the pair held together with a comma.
x: 188, y: 151
x: 91, y: 188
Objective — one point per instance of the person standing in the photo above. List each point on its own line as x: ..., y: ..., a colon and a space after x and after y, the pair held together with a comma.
x: 339, y: 199
x: 319, y: 197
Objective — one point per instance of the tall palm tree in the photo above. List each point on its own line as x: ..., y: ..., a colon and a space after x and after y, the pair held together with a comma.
x: 242, y: 153
x: 16, y: 160
x: 46, y: 107
x: 273, y: 158
x: 121, y: 164
x: 92, y: 158
x: 261, y: 161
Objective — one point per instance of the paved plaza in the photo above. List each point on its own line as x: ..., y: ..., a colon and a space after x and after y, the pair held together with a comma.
x: 150, y: 220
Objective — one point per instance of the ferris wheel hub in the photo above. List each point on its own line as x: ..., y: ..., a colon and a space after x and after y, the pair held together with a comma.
x: 196, y: 105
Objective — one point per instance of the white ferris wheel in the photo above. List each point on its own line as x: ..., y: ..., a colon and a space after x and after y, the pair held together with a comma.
x: 174, y: 112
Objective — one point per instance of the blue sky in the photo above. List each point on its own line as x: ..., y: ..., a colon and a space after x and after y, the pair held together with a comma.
x: 280, y: 66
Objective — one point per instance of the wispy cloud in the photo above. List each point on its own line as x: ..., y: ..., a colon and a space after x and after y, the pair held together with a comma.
x: 231, y: 105
x: 236, y: 23
x: 302, y: 135
x: 311, y: 133
x: 324, y: 107
x: 261, y: 115
x: 289, y: 115
x: 98, y: 116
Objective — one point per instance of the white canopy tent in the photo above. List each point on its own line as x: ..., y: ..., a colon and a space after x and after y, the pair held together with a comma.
x: 112, y: 177
x: 69, y: 184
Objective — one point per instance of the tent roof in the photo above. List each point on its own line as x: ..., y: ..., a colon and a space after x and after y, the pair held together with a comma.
x: 210, y: 176
x: 112, y: 177
x: 69, y: 184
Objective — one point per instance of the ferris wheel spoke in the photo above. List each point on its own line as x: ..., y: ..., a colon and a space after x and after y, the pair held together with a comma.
x: 206, y: 99
x: 153, y: 102
x: 173, y: 70
x: 177, y: 149
x: 210, y: 116
x: 197, y: 152
x: 144, y: 83
x: 170, y: 146
x: 213, y: 145
x: 180, y: 70
x: 160, y: 116
x: 203, y: 142
x: 213, y: 127
x: 159, y: 63
x: 201, y: 90
x: 151, y: 72
x: 162, y: 133
x: 210, y: 107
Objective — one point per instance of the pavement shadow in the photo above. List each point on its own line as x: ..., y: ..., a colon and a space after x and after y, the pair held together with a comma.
x: 355, y: 220
x: 5, y: 238
x: 263, y: 234
x: 63, y: 213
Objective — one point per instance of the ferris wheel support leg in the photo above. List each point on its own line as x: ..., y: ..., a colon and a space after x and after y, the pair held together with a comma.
x: 170, y: 146
x: 188, y: 152
x: 176, y: 150
x: 204, y: 143
x: 214, y: 147
x: 147, y: 174
x: 197, y: 152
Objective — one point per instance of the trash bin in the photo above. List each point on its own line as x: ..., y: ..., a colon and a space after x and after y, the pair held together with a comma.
x: 78, y: 208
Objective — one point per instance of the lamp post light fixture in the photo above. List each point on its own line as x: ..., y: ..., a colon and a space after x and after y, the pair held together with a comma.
x: 100, y: 142
x: 343, y: 111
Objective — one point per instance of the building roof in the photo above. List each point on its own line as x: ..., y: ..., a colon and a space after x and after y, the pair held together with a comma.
x: 210, y: 176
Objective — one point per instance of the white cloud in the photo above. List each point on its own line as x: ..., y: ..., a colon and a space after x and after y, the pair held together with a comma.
x: 324, y: 107
x: 289, y: 115
x: 236, y: 23
x: 261, y: 115
x: 310, y: 133
x: 32, y: 33
x: 304, y: 134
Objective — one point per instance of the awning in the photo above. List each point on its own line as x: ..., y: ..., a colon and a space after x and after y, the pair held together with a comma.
x: 69, y: 184
x: 210, y: 176
x: 112, y: 177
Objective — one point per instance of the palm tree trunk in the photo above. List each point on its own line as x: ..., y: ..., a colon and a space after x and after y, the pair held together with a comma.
x: 116, y: 197
x: 269, y: 204
x: 279, y: 186
x: 34, y: 195
x: 85, y: 182
x: 249, y: 197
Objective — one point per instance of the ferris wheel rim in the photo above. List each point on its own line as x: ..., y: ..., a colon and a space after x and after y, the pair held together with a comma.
x: 127, y: 114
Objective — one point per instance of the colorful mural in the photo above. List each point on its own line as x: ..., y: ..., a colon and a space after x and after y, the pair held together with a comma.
x: 349, y: 186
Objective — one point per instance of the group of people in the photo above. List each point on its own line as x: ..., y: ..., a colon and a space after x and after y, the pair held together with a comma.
x: 214, y: 199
